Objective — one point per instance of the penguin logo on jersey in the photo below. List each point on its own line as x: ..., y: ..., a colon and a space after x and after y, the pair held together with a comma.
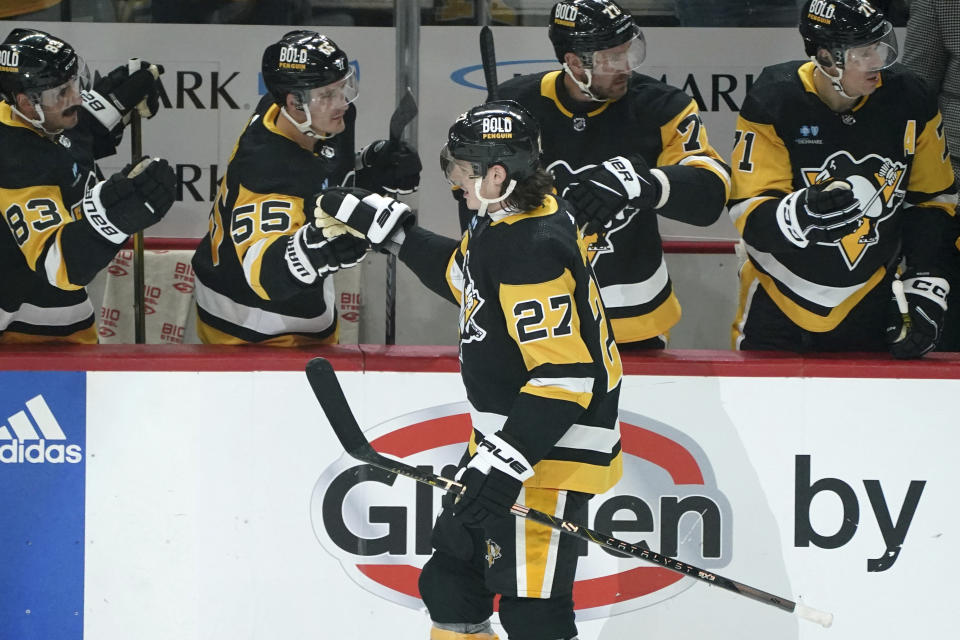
x: 565, y: 177
x: 877, y: 182
x: 470, y: 303
x: 493, y: 552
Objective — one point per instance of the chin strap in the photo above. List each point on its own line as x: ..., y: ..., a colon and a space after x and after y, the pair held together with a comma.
x: 585, y: 87
x: 306, y: 127
x: 36, y: 123
x: 484, y: 202
x: 835, y: 81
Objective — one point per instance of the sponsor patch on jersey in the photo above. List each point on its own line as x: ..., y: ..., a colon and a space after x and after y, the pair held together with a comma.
x: 378, y: 526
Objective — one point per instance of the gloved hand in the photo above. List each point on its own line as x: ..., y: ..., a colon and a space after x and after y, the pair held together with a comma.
x: 393, y: 169
x: 379, y: 218
x: 131, y: 200
x: 821, y: 213
x: 916, y: 329
x: 492, y: 481
x: 311, y: 255
x: 607, y: 188
x: 115, y: 95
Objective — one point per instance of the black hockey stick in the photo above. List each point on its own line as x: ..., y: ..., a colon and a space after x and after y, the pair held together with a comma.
x: 323, y: 381
x: 488, y: 57
x: 405, y: 112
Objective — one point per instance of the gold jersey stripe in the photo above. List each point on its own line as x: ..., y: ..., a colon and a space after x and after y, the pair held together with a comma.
x: 559, y: 393
x: 539, y: 541
x: 803, y: 317
x: 444, y: 634
x: 650, y: 325
x: 83, y: 336
x: 209, y: 335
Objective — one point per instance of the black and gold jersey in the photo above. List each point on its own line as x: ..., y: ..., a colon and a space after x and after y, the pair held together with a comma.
x: 48, y: 251
x: 538, y: 358
x: 890, y: 147
x: 245, y: 292
x: 663, y: 125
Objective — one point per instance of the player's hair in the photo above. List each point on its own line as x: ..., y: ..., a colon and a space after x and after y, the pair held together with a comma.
x: 531, y: 191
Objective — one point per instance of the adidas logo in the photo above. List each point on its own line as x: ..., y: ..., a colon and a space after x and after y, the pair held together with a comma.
x: 13, y: 447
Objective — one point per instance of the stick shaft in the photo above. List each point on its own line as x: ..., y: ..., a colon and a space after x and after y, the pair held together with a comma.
x: 488, y: 58
x: 139, y: 303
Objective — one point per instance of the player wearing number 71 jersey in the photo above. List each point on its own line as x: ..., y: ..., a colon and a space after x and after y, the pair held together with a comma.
x: 540, y: 366
x: 840, y: 169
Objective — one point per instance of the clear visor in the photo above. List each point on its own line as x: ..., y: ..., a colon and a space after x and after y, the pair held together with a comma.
x: 65, y: 95
x: 459, y: 173
x: 877, y: 55
x: 335, y: 95
x: 622, y: 58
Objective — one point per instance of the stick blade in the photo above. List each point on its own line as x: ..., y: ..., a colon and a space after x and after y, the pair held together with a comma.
x: 329, y: 393
x: 405, y: 112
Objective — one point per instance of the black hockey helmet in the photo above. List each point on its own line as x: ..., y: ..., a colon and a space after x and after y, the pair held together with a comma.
x: 842, y: 26
x: 300, y: 61
x: 585, y: 26
x: 498, y: 132
x: 32, y: 61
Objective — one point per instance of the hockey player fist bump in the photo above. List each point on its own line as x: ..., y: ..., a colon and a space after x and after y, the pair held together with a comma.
x: 380, y: 219
x: 915, y: 322
x: 389, y: 167
x: 606, y: 189
x: 311, y: 254
x: 114, y: 96
x: 822, y: 213
x: 131, y: 200
x: 492, y: 480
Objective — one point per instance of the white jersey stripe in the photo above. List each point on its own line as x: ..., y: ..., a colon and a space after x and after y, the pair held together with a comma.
x: 578, y: 436
x: 262, y: 321
x: 629, y: 295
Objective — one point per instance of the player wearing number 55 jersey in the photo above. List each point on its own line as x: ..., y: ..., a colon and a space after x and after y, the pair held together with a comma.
x: 541, y: 370
x: 840, y: 169
x: 623, y: 148
x: 263, y: 269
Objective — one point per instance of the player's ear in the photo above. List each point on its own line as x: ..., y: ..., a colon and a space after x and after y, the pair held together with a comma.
x: 26, y: 106
x: 573, y: 61
x: 824, y: 58
x: 497, y: 174
x: 294, y: 103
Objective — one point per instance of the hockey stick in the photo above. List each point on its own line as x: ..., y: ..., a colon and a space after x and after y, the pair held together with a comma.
x: 405, y: 112
x: 488, y: 57
x: 326, y: 387
x: 136, y: 151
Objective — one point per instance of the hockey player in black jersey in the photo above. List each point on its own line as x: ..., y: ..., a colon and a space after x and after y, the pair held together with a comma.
x: 840, y: 169
x: 541, y: 370
x: 63, y: 221
x: 263, y: 269
x: 623, y: 148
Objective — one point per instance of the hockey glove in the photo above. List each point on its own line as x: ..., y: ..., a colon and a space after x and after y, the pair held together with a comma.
x: 115, y: 95
x: 492, y: 481
x: 131, y: 200
x: 379, y: 218
x: 607, y: 188
x: 392, y: 170
x: 914, y: 329
x: 823, y: 213
x: 310, y: 255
